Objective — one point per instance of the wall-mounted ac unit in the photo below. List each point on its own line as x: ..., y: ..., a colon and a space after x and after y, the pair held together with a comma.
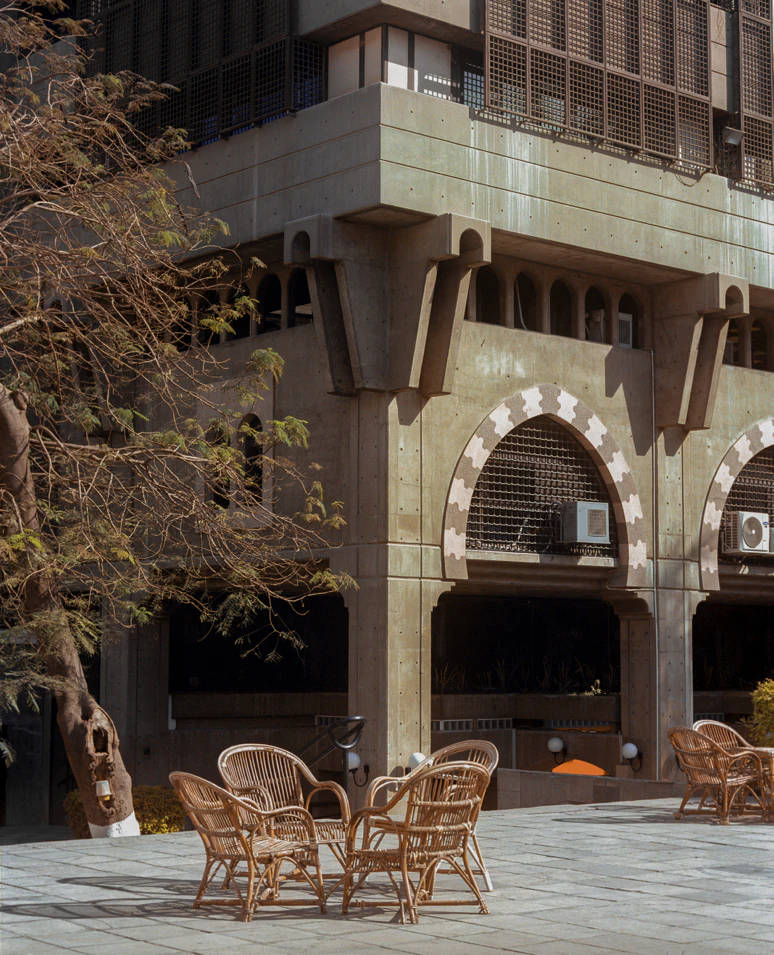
x: 585, y: 522
x: 626, y: 329
x: 746, y: 532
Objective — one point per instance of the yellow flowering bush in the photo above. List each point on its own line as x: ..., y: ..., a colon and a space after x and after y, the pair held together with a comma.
x: 157, y: 808
x: 761, y: 723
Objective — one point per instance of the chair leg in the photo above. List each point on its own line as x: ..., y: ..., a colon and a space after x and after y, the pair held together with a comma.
x: 479, y: 859
x: 467, y: 876
x: 204, y: 883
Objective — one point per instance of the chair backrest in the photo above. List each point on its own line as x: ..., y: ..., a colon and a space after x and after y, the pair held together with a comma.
x: 441, y: 806
x: 700, y: 758
x: 479, y: 751
x: 721, y: 733
x: 263, y: 770
x: 214, y: 812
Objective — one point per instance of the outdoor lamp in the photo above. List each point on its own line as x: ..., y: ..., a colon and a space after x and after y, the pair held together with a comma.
x: 102, y: 787
x: 415, y: 759
x: 557, y: 747
x: 630, y: 752
x: 732, y: 136
x: 353, y: 765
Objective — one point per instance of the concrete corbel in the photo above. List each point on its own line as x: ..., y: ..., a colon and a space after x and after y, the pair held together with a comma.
x: 415, y: 254
x: 468, y: 245
x: 690, y: 328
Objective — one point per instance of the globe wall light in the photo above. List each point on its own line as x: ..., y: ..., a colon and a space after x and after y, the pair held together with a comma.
x: 557, y: 747
x: 353, y: 765
x: 630, y: 753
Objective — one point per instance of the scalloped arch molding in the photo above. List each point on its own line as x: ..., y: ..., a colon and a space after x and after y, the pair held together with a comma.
x: 593, y: 435
x: 752, y: 442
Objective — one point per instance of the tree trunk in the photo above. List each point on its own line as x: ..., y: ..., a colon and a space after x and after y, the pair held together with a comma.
x: 89, y: 735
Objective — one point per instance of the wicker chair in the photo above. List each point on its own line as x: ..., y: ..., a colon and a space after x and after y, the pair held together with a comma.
x: 478, y: 751
x: 272, y: 777
x: 236, y: 832
x: 727, y: 782
x: 721, y: 733
x: 442, y: 803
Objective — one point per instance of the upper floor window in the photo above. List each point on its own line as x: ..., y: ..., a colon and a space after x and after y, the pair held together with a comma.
x: 628, y: 322
x: 269, y: 298
x: 299, y: 299
x: 525, y: 300
x: 487, y: 296
x: 561, y: 310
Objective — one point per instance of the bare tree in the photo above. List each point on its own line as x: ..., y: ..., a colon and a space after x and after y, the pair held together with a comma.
x: 130, y: 475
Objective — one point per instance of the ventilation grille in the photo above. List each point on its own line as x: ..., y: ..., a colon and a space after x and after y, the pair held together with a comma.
x: 717, y: 717
x: 324, y: 721
x: 451, y: 726
x: 635, y: 75
x: 752, y: 491
x: 490, y: 725
x: 530, y: 474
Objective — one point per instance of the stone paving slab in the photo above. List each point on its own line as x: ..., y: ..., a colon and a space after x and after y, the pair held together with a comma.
x: 569, y: 880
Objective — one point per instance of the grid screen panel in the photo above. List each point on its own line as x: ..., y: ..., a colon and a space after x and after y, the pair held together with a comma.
x: 529, y: 475
x: 753, y: 491
x: 757, y: 99
x: 610, y: 69
x: 235, y: 63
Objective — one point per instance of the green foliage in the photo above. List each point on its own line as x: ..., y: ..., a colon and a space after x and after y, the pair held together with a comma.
x: 761, y: 723
x: 157, y: 808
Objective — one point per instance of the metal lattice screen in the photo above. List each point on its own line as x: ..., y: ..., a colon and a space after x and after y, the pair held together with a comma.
x: 755, y: 52
x: 235, y: 63
x: 532, y: 471
x: 631, y: 73
x: 753, y: 490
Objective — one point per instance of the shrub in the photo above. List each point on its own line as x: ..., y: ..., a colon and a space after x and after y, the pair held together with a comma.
x: 761, y: 723
x: 157, y: 809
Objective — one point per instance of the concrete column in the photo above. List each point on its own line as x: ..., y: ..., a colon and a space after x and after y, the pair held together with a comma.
x: 579, y: 312
x: 544, y: 306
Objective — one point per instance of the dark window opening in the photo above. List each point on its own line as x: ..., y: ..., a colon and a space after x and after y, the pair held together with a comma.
x: 299, y: 299
x: 488, y: 644
x: 733, y: 352
x: 209, y: 306
x: 269, y: 305
x: 219, y: 488
x: 531, y: 473
x: 628, y: 322
x: 525, y: 295
x: 487, y: 296
x: 759, y: 346
x: 242, y: 323
x: 205, y: 661
x: 561, y: 310
x: 252, y: 450
x: 733, y: 646
x: 180, y: 334
x: 596, y: 316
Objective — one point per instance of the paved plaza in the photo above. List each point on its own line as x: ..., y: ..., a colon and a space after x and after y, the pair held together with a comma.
x: 568, y: 879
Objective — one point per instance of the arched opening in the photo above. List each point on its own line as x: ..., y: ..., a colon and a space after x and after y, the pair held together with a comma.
x: 252, y: 450
x: 487, y: 296
x: 628, y: 322
x: 733, y: 351
x: 241, y: 323
x: 209, y: 305
x: 269, y: 304
x: 561, y: 310
x: 180, y: 334
x: 759, y: 346
x: 596, y: 316
x: 541, y: 492
x: 299, y: 299
x: 525, y: 303
x: 219, y: 486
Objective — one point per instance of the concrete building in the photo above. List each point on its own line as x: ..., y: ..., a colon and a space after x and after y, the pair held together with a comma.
x: 519, y: 264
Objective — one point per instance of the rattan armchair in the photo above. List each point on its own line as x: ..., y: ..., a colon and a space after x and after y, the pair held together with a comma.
x: 721, y: 733
x: 727, y: 783
x: 236, y: 833
x: 272, y: 777
x: 478, y: 751
x: 442, y: 803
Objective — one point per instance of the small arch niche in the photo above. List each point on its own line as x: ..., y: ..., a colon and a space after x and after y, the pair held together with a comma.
x: 487, y: 296
x: 209, y: 303
x: 759, y: 346
x: 733, y: 350
x: 252, y: 451
x: 561, y: 310
x: 596, y: 319
x: 269, y: 304
x: 628, y: 322
x: 525, y: 303
x: 242, y: 322
x: 299, y: 299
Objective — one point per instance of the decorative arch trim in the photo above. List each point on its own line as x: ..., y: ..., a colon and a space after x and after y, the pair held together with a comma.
x: 555, y: 403
x: 744, y: 449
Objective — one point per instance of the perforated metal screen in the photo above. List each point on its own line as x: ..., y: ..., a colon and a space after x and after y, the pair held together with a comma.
x: 753, y: 490
x: 235, y: 63
x: 755, y: 52
x: 633, y: 73
x: 530, y: 474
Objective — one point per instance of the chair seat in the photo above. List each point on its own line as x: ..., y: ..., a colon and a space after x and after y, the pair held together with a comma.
x: 330, y: 830
x: 363, y: 859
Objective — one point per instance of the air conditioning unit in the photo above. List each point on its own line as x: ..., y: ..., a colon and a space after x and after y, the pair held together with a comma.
x: 585, y: 522
x: 626, y: 329
x: 746, y: 532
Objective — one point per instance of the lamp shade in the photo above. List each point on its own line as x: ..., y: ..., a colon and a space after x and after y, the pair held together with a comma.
x: 555, y: 745
x: 415, y: 759
x: 629, y: 751
x: 353, y: 762
x: 103, y: 788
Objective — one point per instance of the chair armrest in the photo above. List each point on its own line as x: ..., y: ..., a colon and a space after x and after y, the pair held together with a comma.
x: 365, y: 816
x: 298, y: 817
x: 336, y: 789
x: 380, y: 782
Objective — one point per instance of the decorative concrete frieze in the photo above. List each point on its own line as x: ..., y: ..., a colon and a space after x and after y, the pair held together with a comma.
x: 743, y: 450
x: 556, y: 403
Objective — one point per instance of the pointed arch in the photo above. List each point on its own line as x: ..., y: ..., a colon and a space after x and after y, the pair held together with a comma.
x: 577, y: 417
x: 743, y: 450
